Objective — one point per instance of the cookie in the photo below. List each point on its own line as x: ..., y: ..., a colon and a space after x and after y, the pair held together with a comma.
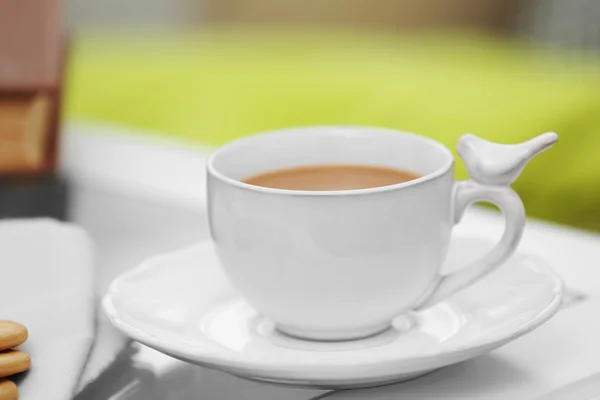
x: 8, y: 390
x: 13, y: 361
x: 12, y: 334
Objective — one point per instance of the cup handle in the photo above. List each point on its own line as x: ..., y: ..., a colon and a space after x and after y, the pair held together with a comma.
x: 492, y: 168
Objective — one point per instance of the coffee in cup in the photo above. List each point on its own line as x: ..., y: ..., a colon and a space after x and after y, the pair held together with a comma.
x: 331, y: 177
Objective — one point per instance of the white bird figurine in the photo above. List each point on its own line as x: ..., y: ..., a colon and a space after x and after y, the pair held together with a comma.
x: 500, y: 164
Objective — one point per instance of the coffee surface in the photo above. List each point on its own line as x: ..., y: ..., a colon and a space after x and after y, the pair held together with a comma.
x: 331, y: 177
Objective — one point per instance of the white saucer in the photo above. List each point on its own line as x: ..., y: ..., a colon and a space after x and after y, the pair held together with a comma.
x: 182, y: 305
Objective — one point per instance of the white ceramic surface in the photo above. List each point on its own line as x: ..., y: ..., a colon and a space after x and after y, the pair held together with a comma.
x: 342, y: 264
x: 182, y: 304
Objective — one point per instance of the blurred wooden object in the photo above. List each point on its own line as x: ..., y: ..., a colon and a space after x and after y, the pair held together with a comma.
x: 23, y: 123
x: 32, y: 53
x: 399, y: 14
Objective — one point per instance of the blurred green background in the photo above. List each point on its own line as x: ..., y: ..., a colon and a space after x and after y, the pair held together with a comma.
x: 493, y: 72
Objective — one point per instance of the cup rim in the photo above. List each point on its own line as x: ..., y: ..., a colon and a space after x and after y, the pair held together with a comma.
x: 448, y: 164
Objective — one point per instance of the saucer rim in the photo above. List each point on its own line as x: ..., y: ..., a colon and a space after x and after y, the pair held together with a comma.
x: 323, y: 373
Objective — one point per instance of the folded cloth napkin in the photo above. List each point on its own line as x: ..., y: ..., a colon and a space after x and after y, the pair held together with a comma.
x: 48, y: 285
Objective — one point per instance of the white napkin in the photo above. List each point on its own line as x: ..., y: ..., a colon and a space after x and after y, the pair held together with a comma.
x: 47, y: 284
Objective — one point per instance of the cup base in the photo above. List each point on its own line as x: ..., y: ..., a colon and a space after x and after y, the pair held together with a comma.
x: 333, y: 336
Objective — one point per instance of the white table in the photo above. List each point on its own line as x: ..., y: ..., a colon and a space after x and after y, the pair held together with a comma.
x: 132, y: 212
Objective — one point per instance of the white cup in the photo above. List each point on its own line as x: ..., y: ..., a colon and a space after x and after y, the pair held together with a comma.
x: 341, y: 265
